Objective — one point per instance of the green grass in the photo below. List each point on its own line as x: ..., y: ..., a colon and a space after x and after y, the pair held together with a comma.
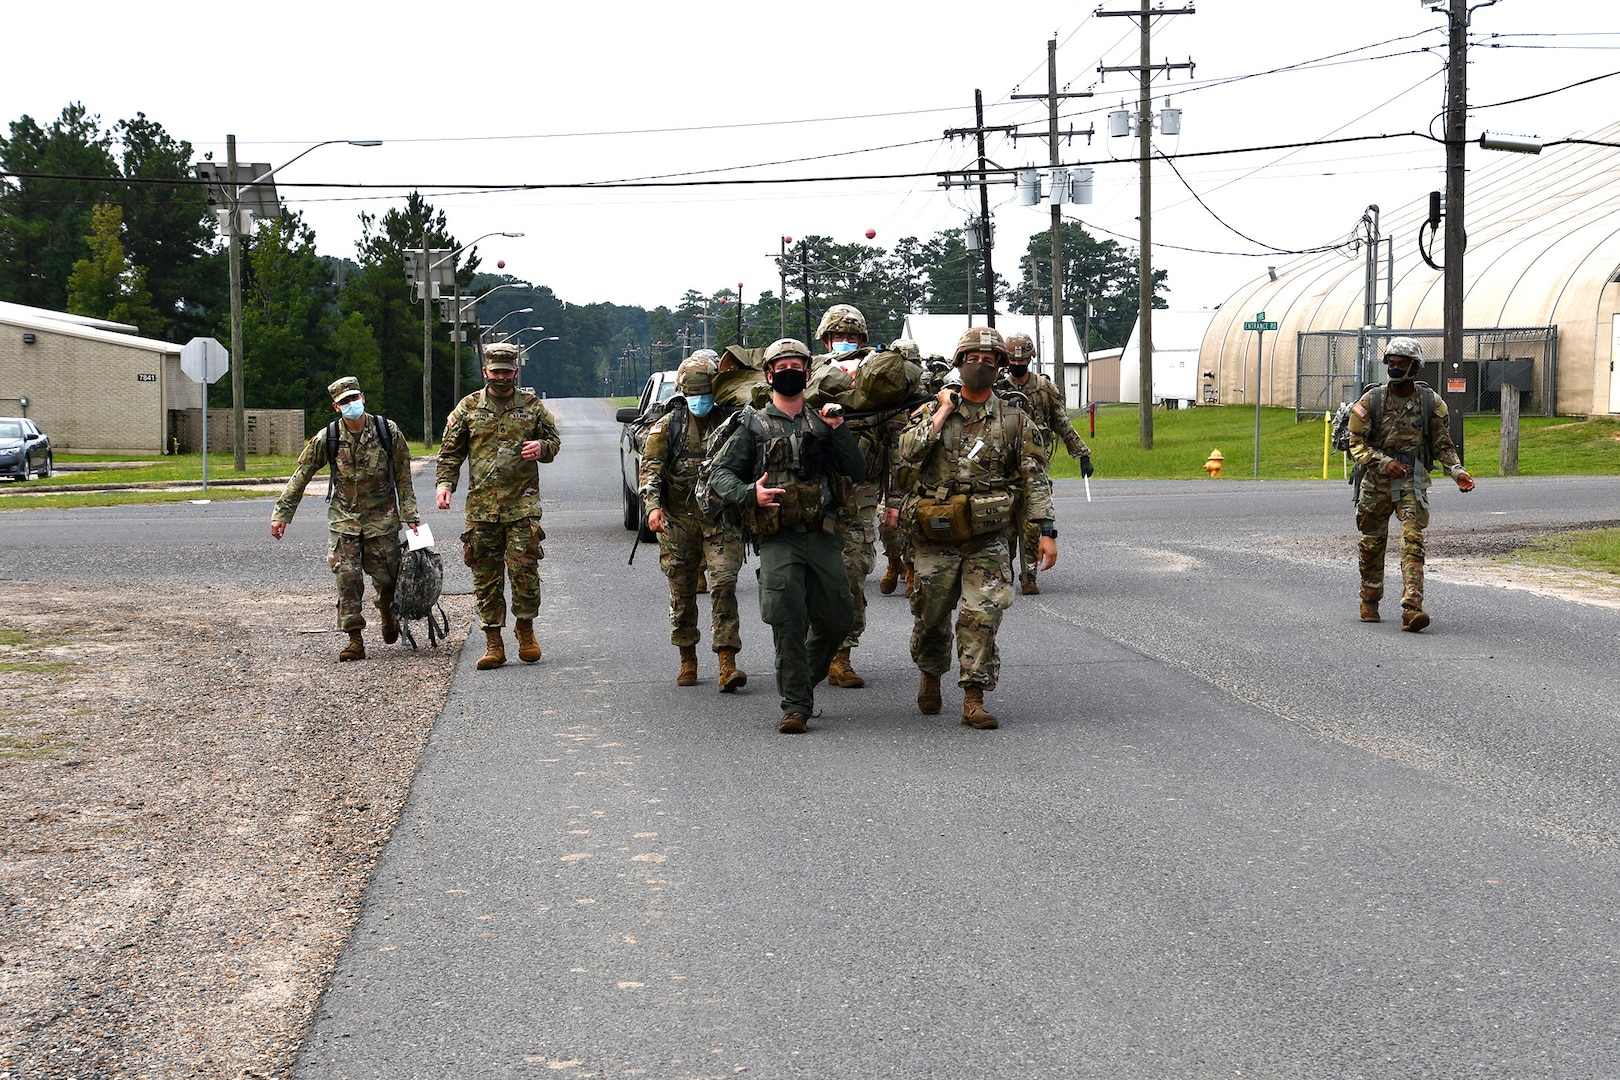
x: 1592, y: 549
x: 16, y: 748
x: 1184, y: 438
x: 70, y: 500
x: 22, y: 639
x: 35, y: 667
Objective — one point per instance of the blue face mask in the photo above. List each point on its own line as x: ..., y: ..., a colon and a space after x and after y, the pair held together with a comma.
x: 841, y: 347
x: 700, y: 404
x: 353, y: 410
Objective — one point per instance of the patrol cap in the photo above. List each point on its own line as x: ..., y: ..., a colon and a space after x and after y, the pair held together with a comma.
x: 501, y: 356
x: 344, y: 389
x: 981, y: 339
x: 1404, y: 346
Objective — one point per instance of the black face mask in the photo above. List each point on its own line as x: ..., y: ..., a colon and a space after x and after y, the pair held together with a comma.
x: 1403, y: 374
x: 789, y: 382
x: 1018, y: 371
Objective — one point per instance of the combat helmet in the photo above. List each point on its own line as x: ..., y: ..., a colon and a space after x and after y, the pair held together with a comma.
x: 906, y: 348
x: 696, y: 375
x: 1404, y: 346
x: 842, y: 319
x: 1020, y: 347
x: 981, y: 339
x: 785, y: 347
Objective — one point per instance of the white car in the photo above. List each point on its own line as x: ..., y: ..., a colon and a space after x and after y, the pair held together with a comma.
x: 659, y: 389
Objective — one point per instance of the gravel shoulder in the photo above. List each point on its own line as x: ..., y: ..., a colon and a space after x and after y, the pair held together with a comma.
x: 193, y: 794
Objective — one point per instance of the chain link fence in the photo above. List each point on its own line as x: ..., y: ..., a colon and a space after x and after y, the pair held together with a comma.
x: 1335, y: 366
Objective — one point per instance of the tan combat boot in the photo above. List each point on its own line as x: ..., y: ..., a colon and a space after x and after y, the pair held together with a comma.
x: 355, y: 649
x: 385, y: 608
x: 839, y: 673
x: 973, y: 711
x: 494, y: 650
x: 1029, y: 587
x: 528, y: 648
x: 891, y: 576
x: 731, y: 677
x: 1369, y: 607
x: 793, y: 723
x: 688, y: 672
x: 929, y: 701
x: 1414, y: 619
x: 911, y: 579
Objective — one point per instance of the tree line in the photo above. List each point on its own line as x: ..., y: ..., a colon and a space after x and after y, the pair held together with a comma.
x: 109, y: 222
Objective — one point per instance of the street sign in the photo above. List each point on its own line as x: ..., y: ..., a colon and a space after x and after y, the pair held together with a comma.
x: 1259, y: 323
x: 204, y: 360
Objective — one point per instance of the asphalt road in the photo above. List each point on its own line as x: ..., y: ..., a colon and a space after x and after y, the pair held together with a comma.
x: 1225, y: 829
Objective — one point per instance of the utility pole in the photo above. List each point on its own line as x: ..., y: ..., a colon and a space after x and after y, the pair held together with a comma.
x: 238, y: 361
x: 985, y: 242
x: 1052, y: 98
x: 1144, y: 119
x: 426, y: 284
x: 1456, y: 148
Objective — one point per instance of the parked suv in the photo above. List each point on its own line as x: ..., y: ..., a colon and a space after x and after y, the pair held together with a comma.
x: 659, y: 389
x: 25, y: 451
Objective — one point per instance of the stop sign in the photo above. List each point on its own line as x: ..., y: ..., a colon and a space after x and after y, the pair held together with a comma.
x: 204, y: 360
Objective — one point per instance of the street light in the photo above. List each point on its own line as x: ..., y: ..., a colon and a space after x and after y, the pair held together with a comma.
x: 491, y: 328
x: 427, y: 328
x: 233, y: 202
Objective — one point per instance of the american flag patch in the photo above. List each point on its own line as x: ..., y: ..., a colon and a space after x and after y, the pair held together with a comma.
x: 1359, y: 409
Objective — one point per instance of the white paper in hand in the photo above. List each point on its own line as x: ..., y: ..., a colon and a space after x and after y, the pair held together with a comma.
x: 421, y: 538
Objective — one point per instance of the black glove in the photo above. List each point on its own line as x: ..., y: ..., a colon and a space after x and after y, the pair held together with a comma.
x: 1085, y: 467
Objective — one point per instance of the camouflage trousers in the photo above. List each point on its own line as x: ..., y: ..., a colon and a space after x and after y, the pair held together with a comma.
x: 971, y: 580
x: 496, y: 550
x: 687, y: 546
x: 857, y: 527
x: 1373, y: 512
x: 804, y: 596
x: 896, y: 541
x: 351, y: 558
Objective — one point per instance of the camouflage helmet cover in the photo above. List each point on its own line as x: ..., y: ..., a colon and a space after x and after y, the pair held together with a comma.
x: 907, y: 348
x: 785, y: 347
x: 1020, y: 347
x: 696, y: 375
x: 842, y: 319
x: 1404, y: 346
x: 980, y: 339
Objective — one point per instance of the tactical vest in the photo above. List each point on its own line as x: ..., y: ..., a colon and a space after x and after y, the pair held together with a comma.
x: 796, y: 460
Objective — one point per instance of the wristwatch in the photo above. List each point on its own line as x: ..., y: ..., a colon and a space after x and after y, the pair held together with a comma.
x: 1049, y: 530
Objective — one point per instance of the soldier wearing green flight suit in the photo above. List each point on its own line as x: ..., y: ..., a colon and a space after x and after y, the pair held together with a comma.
x: 779, y: 467
x: 970, y: 466
x: 1040, y: 398
x: 1397, y: 431
x: 687, y: 540
x: 503, y: 433
x: 363, y: 512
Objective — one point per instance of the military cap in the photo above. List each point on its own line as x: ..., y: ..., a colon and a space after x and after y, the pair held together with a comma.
x: 344, y: 389
x: 501, y: 356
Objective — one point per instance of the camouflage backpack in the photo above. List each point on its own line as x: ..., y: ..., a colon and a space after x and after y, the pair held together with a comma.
x: 416, y: 594
x: 710, y: 504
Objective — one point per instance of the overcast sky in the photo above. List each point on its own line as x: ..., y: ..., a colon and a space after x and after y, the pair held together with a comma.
x: 545, y: 93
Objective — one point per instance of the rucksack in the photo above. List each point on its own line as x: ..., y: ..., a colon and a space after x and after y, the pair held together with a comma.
x: 710, y: 504
x: 416, y: 593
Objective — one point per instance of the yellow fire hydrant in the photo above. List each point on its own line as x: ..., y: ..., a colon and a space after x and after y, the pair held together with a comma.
x: 1212, y: 464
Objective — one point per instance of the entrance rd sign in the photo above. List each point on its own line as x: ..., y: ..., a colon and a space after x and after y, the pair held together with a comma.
x: 204, y: 360
x: 1259, y: 323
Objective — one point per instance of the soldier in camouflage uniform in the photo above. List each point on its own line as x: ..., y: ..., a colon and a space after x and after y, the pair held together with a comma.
x: 842, y: 333
x: 1393, y: 455
x: 687, y: 541
x: 967, y: 461
x: 897, y: 538
x: 1040, y: 398
x: 778, y: 467
x: 503, y: 433
x: 363, y: 512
